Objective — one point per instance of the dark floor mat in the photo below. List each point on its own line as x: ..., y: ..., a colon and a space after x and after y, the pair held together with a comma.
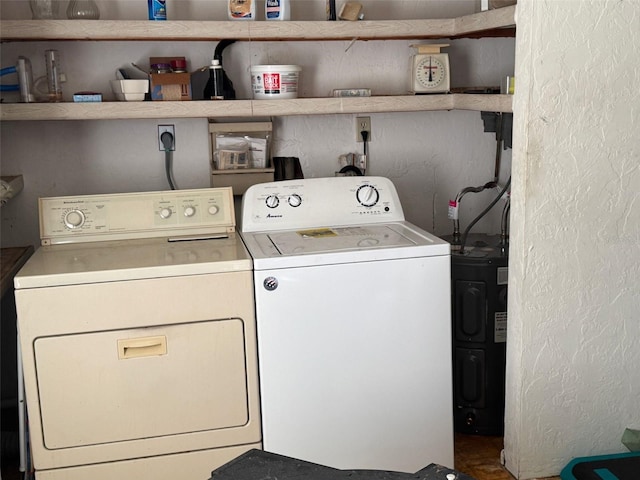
x: 259, y: 465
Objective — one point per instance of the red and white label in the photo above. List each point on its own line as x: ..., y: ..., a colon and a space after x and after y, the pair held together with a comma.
x: 271, y: 82
x: 453, y: 210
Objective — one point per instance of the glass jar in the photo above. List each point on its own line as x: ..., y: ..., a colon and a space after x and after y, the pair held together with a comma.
x: 44, y: 9
x: 179, y: 65
x: 83, y: 10
x: 160, y: 68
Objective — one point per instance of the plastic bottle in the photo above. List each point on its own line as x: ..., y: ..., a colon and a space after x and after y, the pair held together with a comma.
x: 331, y: 10
x: 213, y: 90
x: 242, y: 10
x: 157, y: 9
x: 25, y: 80
x: 277, y: 10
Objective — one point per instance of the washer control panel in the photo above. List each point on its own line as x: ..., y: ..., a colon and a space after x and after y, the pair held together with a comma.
x: 313, y: 202
x: 136, y: 215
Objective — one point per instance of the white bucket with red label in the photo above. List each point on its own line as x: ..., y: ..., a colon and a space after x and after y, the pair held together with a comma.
x: 275, y: 81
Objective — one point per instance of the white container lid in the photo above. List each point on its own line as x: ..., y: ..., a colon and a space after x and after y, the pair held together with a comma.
x: 277, y: 68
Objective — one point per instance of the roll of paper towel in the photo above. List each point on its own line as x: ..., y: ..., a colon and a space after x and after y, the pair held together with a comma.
x: 10, y: 187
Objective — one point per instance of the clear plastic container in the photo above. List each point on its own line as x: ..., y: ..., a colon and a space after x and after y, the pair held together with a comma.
x: 275, y: 81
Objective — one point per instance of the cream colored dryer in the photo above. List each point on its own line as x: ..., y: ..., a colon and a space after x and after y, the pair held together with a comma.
x: 137, y: 329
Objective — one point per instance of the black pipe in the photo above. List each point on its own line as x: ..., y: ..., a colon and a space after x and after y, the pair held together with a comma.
x: 482, y: 214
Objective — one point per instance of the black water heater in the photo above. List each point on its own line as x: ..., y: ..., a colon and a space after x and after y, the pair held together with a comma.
x: 479, y: 331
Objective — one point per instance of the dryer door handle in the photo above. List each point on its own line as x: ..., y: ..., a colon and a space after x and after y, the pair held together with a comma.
x: 142, y: 347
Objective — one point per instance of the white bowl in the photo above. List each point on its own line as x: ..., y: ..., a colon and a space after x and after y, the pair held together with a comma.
x: 130, y: 97
x: 130, y: 90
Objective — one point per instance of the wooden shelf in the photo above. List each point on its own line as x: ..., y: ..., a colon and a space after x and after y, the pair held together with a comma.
x: 253, y: 108
x: 498, y: 22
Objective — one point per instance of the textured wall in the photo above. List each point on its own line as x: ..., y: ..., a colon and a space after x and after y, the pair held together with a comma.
x: 574, y: 298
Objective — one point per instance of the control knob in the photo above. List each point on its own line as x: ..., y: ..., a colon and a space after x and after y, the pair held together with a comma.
x: 367, y: 195
x: 213, y: 209
x: 295, y: 200
x: 165, y: 212
x: 272, y: 201
x: 74, y: 219
x: 189, y: 211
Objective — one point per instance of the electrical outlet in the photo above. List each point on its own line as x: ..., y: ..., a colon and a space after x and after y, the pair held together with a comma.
x: 363, y: 124
x: 166, y: 128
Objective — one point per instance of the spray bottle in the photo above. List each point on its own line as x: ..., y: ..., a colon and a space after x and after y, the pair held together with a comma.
x: 157, y: 9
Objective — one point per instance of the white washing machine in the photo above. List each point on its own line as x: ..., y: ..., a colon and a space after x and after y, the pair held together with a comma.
x: 354, y: 325
x: 136, y: 323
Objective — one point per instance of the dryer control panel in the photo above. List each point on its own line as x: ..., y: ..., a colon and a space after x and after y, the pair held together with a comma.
x: 333, y: 201
x: 126, y: 216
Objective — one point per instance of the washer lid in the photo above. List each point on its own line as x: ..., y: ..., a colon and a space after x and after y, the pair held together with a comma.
x: 333, y: 245
x: 94, y: 262
x: 320, y: 240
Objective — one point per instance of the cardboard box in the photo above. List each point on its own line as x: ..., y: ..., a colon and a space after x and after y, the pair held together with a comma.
x: 169, y: 86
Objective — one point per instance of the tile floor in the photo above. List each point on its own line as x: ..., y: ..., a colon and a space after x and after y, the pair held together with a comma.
x: 479, y: 457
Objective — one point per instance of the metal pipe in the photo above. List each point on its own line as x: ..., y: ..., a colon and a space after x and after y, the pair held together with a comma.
x: 496, y: 173
x: 462, y: 193
x: 493, y: 184
x: 482, y: 214
x: 504, y: 237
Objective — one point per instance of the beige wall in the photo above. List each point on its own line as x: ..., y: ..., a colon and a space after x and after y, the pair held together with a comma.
x: 574, y: 298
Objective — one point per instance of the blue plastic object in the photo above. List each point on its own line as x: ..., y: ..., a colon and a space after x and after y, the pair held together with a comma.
x: 8, y: 88
x: 7, y: 70
x: 621, y: 466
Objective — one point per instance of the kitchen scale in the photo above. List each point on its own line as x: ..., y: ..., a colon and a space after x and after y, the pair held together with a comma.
x: 430, y: 69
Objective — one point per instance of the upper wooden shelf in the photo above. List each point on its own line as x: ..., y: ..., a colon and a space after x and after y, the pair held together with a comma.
x: 253, y: 108
x: 497, y: 22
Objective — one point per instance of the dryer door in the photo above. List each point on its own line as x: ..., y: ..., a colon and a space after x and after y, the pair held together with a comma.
x: 113, y: 386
